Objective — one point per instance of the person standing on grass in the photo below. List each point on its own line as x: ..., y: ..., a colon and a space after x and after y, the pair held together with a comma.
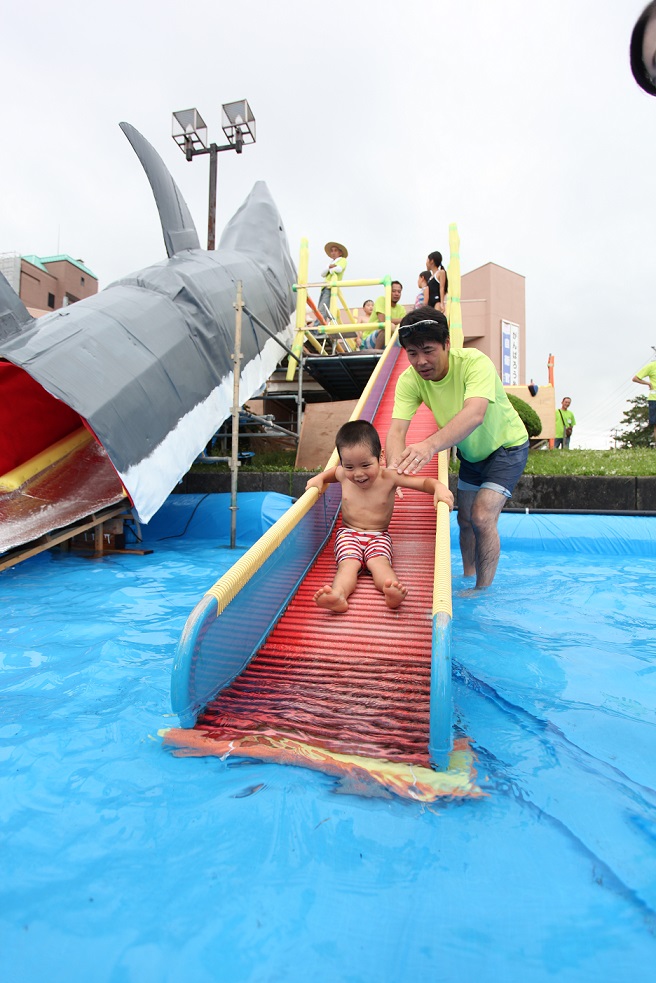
x: 565, y: 423
x: 646, y: 376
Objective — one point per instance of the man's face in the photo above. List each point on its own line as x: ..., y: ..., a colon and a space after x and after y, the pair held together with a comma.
x: 429, y: 359
x: 335, y: 253
x: 396, y: 293
x: 566, y: 402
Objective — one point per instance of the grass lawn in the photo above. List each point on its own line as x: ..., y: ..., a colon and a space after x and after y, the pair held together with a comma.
x: 636, y: 462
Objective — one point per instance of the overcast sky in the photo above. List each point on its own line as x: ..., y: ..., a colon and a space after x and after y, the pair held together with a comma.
x: 519, y: 121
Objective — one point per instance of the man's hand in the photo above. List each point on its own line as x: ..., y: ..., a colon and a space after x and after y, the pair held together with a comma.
x: 415, y: 457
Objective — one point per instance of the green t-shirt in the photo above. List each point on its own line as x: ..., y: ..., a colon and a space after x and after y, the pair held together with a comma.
x: 398, y: 311
x: 566, y: 420
x: 471, y: 373
x: 648, y: 371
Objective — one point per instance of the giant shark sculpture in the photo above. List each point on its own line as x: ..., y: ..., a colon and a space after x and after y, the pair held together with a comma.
x: 145, y: 366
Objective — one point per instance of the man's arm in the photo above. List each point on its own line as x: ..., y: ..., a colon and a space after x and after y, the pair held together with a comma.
x: 395, y: 442
x: 394, y: 320
x: 643, y: 382
x: 415, y: 456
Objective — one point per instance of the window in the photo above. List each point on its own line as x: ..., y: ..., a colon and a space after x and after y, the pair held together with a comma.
x: 51, y: 301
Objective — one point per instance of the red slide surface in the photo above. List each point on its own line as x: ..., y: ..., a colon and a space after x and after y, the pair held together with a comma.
x: 353, y: 683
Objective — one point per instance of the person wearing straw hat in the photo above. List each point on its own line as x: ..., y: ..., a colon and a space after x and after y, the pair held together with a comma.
x: 337, y: 254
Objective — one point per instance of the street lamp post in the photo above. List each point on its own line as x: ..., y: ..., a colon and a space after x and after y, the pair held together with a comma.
x: 190, y: 134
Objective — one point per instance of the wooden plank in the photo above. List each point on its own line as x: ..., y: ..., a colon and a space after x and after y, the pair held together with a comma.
x: 321, y: 421
x: 59, y: 536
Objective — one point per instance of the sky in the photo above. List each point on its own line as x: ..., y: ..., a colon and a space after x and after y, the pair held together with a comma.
x: 378, y: 124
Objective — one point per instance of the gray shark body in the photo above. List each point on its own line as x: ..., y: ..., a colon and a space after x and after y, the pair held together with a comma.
x: 147, y: 362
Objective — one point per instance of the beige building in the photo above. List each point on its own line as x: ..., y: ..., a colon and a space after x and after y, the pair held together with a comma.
x: 46, y: 283
x: 493, y: 305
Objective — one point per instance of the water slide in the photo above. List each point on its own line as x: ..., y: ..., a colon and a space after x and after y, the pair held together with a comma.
x: 262, y: 672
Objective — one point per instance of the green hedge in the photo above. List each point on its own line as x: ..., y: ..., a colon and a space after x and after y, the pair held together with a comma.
x: 528, y: 416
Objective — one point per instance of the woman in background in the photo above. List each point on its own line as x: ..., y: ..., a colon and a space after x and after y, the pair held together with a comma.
x: 438, y: 285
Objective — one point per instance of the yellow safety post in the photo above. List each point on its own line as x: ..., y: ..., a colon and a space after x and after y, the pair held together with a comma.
x: 454, y: 313
x: 301, y: 305
x: 388, y: 309
x: 346, y: 307
x: 440, y: 741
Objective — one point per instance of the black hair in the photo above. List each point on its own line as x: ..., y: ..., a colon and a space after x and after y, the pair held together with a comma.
x: 437, y: 259
x: 358, y: 432
x: 425, y: 274
x: 368, y: 301
x: 644, y: 74
x: 439, y: 333
x: 396, y: 281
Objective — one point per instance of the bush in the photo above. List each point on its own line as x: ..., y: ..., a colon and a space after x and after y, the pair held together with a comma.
x: 528, y: 416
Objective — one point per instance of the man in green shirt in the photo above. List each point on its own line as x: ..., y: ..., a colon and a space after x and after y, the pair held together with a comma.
x: 647, y: 377
x: 564, y: 421
x: 376, y: 338
x: 465, y: 395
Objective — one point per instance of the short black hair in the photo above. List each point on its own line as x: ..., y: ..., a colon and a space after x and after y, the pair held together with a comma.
x: 396, y: 281
x: 642, y: 73
x: 358, y: 432
x: 439, y: 333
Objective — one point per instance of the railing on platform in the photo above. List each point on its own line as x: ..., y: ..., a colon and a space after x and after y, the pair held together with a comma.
x: 315, y: 335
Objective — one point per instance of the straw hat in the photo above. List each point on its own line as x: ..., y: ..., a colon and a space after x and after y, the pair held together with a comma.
x: 329, y: 245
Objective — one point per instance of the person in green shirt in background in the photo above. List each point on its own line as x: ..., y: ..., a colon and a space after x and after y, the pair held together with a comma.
x: 464, y: 393
x: 376, y: 338
x: 647, y: 377
x: 565, y: 423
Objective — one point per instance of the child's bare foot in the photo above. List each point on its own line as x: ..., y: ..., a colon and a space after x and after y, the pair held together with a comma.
x: 395, y: 593
x: 329, y: 599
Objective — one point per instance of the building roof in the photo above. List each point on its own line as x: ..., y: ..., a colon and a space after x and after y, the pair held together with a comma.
x: 35, y: 261
x: 64, y: 258
x: 41, y: 261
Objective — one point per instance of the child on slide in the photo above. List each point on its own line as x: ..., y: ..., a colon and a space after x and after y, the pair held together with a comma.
x: 368, y: 491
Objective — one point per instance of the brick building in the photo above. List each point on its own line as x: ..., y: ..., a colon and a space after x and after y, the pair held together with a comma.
x: 46, y: 283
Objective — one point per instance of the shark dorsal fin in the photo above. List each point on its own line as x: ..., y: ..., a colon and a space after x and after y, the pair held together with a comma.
x: 14, y: 315
x: 177, y: 224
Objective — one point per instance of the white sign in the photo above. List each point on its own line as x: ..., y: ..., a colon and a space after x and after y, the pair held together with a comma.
x: 509, y: 353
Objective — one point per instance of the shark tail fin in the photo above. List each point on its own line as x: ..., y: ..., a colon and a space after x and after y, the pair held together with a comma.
x: 14, y: 315
x: 177, y: 224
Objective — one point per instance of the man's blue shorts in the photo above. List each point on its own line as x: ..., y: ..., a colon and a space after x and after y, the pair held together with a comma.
x: 500, y: 471
x: 651, y: 403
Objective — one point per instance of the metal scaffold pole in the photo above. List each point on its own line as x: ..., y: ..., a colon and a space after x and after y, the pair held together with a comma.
x: 234, y: 457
